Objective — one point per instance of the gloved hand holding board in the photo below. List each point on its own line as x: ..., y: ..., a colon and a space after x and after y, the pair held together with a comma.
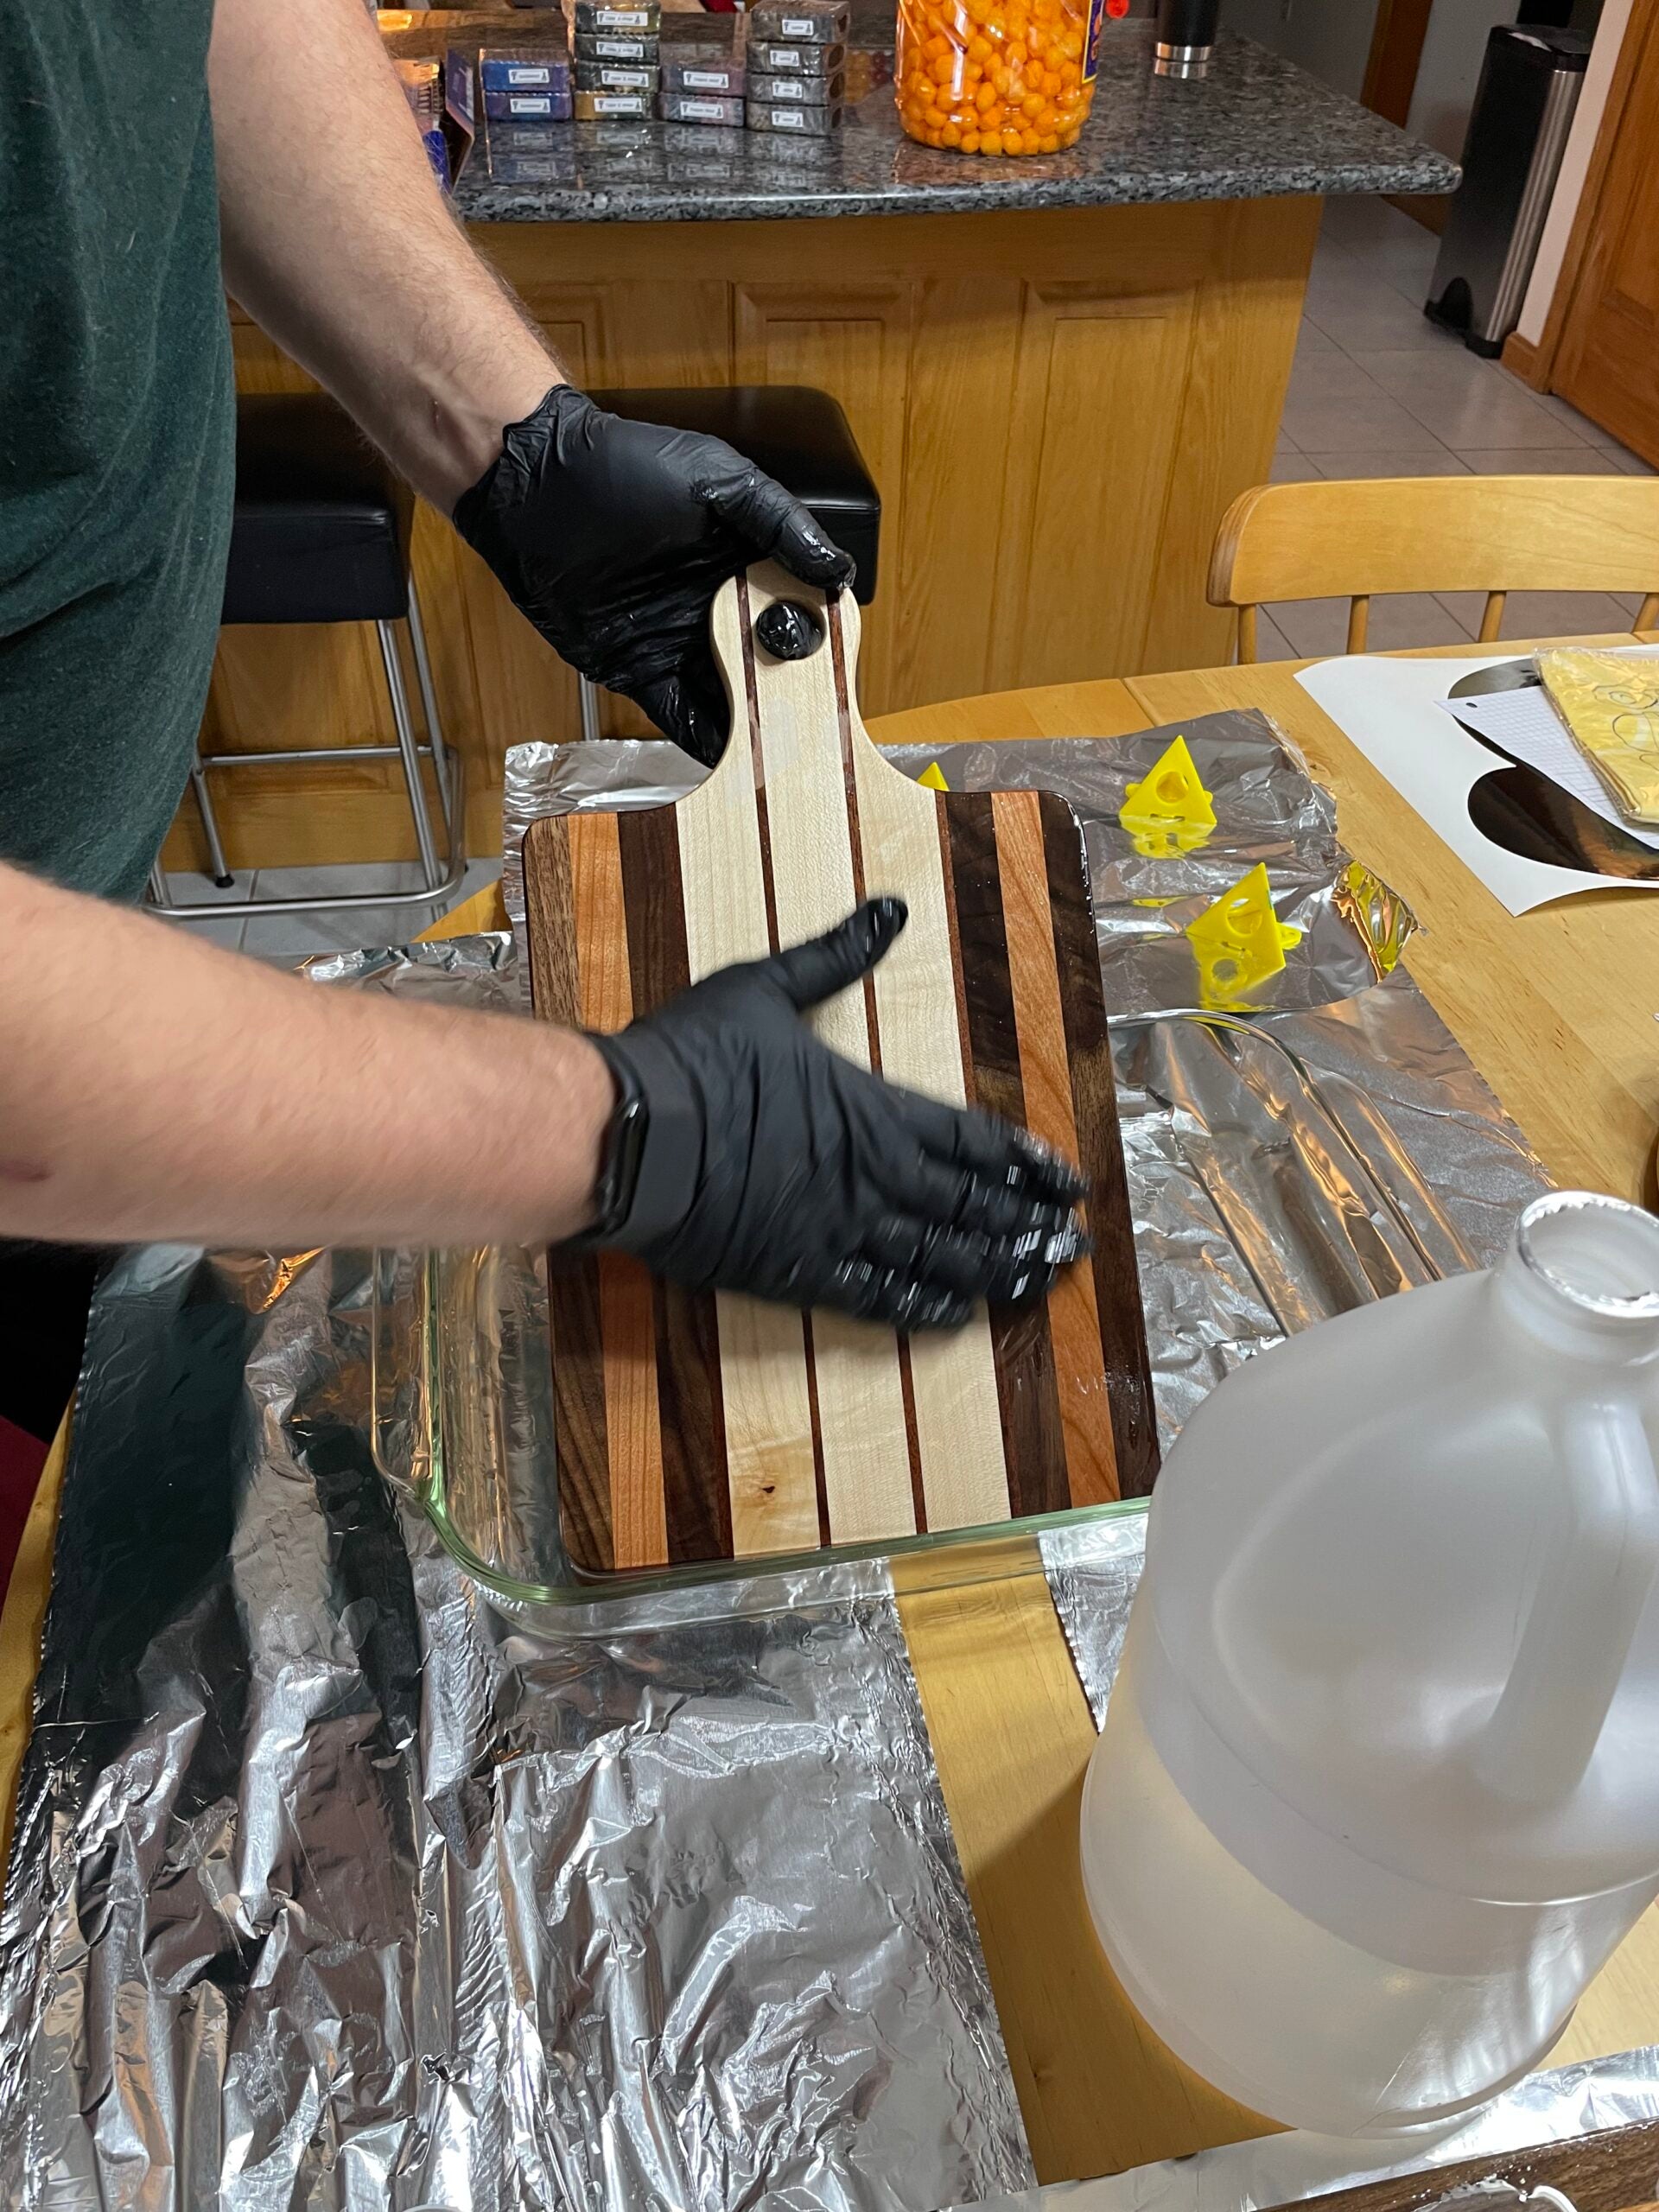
x: 694, y: 1422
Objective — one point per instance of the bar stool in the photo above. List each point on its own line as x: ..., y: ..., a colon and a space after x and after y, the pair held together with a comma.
x: 796, y: 434
x: 322, y: 534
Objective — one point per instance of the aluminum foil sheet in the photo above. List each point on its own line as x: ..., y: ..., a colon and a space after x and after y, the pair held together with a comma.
x: 332, y: 1889
x: 1266, y: 810
x: 1555, y: 2106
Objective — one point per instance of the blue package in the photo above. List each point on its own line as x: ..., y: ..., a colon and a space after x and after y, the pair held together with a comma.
x: 524, y: 72
x: 528, y: 107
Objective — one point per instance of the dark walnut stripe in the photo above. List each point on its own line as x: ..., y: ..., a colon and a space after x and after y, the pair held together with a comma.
x: 820, y: 1481
x: 696, y: 1499
x: 578, y: 1348
x: 1033, y: 1440
x: 1100, y: 1145
x: 573, y: 1293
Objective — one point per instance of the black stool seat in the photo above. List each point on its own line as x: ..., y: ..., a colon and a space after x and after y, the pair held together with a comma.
x: 322, y: 523
x: 795, y: 432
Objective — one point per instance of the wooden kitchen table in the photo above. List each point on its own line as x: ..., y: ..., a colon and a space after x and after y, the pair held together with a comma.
x: 1557, y: 1009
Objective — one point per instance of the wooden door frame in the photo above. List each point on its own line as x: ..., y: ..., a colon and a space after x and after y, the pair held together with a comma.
x: 1391, y: 67
x: 1396, y: 52
x: 1535, y: 364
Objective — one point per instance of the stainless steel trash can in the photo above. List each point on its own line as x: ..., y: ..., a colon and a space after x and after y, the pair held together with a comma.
x: 1529, y: 87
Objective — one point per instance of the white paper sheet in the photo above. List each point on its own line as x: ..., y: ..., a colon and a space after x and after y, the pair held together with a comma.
x: 1525, y: 723
x: 1390, y: 710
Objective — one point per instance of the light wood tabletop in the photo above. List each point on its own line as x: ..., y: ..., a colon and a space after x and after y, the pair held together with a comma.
x: 1559, y: 1010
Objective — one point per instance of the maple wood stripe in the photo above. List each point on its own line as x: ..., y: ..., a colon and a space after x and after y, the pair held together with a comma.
x: 1027, y: 1391
x: 1100, y: 1149
x: 855, y: 844
x: 1040, y: 1022
x: 573, y: 1292
x: 766, y: 1413
x: 860, y: 1411
x: 688, y: 1471
x: 956, y: 977
x: 872, y: 1025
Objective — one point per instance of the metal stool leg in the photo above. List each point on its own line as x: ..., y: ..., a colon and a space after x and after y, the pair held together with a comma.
x: 159, y: 893
x: 219, y: 866
x: 589, y: 698
x: 429, y: 701
x: 410, y: 755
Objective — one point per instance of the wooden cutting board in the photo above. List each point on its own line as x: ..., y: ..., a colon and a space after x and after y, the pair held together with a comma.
x: 700, y: 1427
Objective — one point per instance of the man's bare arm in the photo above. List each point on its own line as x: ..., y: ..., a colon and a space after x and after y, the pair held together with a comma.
x: 154, y: 1087
x: 339, y: 242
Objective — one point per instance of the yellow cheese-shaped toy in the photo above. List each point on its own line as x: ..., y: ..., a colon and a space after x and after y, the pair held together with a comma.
x: 1610, y: 704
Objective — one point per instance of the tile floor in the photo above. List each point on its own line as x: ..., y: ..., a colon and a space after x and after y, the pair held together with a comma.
x: 1378, y: 390
x: 281, y: 935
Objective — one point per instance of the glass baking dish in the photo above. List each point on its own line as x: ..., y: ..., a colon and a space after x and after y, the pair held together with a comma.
x: 463, y: 1423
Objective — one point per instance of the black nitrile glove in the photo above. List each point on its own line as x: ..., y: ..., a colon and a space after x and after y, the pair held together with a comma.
x: 613, y: 537
x: 772, y: 1165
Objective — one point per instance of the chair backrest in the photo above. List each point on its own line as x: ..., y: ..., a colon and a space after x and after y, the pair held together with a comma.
x: 1496, y: 534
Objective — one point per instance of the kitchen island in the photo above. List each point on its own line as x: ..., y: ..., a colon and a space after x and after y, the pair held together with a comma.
x: 1061, y: 370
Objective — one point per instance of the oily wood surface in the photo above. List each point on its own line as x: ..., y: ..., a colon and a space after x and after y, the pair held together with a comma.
x: 1557, y: 1008
x: 694, y: 1429
x: 1616, y: 2170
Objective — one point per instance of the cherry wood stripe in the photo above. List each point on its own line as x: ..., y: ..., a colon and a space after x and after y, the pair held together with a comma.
x: 573, y: 1286
x: 1040, y: 1022
x: 606, y: 906
x: 1100, y: 1149
x: 1033, y: 1440
x: 633, y: 1434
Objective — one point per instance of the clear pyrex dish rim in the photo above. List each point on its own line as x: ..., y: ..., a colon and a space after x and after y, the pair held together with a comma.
x: 774, y: 1581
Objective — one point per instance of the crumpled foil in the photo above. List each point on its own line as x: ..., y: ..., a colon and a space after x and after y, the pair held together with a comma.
x: 1353, y: 927
x: 331, y: 1888
x: 1554, y: 2106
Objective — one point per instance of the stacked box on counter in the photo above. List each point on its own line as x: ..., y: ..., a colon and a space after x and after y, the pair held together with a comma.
x: 617, y: 69
x: 797, y: 66
x: 703, y: 68
x: 522, y: 76
x: 423, y: 86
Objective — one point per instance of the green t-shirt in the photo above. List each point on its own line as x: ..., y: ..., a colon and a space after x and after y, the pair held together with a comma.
x: 116, y: 428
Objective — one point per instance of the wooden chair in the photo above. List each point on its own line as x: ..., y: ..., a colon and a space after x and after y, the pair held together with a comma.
x: 1496, y: 534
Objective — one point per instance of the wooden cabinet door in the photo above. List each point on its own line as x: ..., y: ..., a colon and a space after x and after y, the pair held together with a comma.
x: 1608, y: 366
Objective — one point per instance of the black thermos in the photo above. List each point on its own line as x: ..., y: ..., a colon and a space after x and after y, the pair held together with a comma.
x: 1187, y: 36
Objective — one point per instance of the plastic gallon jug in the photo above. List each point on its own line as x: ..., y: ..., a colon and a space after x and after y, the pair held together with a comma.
x: 1378, y: 1791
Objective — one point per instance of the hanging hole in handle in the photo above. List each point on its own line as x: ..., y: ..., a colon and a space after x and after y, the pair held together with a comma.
x: 788, y: 630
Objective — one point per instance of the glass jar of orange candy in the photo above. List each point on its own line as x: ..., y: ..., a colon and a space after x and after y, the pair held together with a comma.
x: 996, y: 76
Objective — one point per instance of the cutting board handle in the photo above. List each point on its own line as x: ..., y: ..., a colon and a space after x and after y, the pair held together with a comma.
x: 788, y: 656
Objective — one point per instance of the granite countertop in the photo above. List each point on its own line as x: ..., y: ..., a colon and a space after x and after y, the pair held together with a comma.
x: 1255, y: 127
